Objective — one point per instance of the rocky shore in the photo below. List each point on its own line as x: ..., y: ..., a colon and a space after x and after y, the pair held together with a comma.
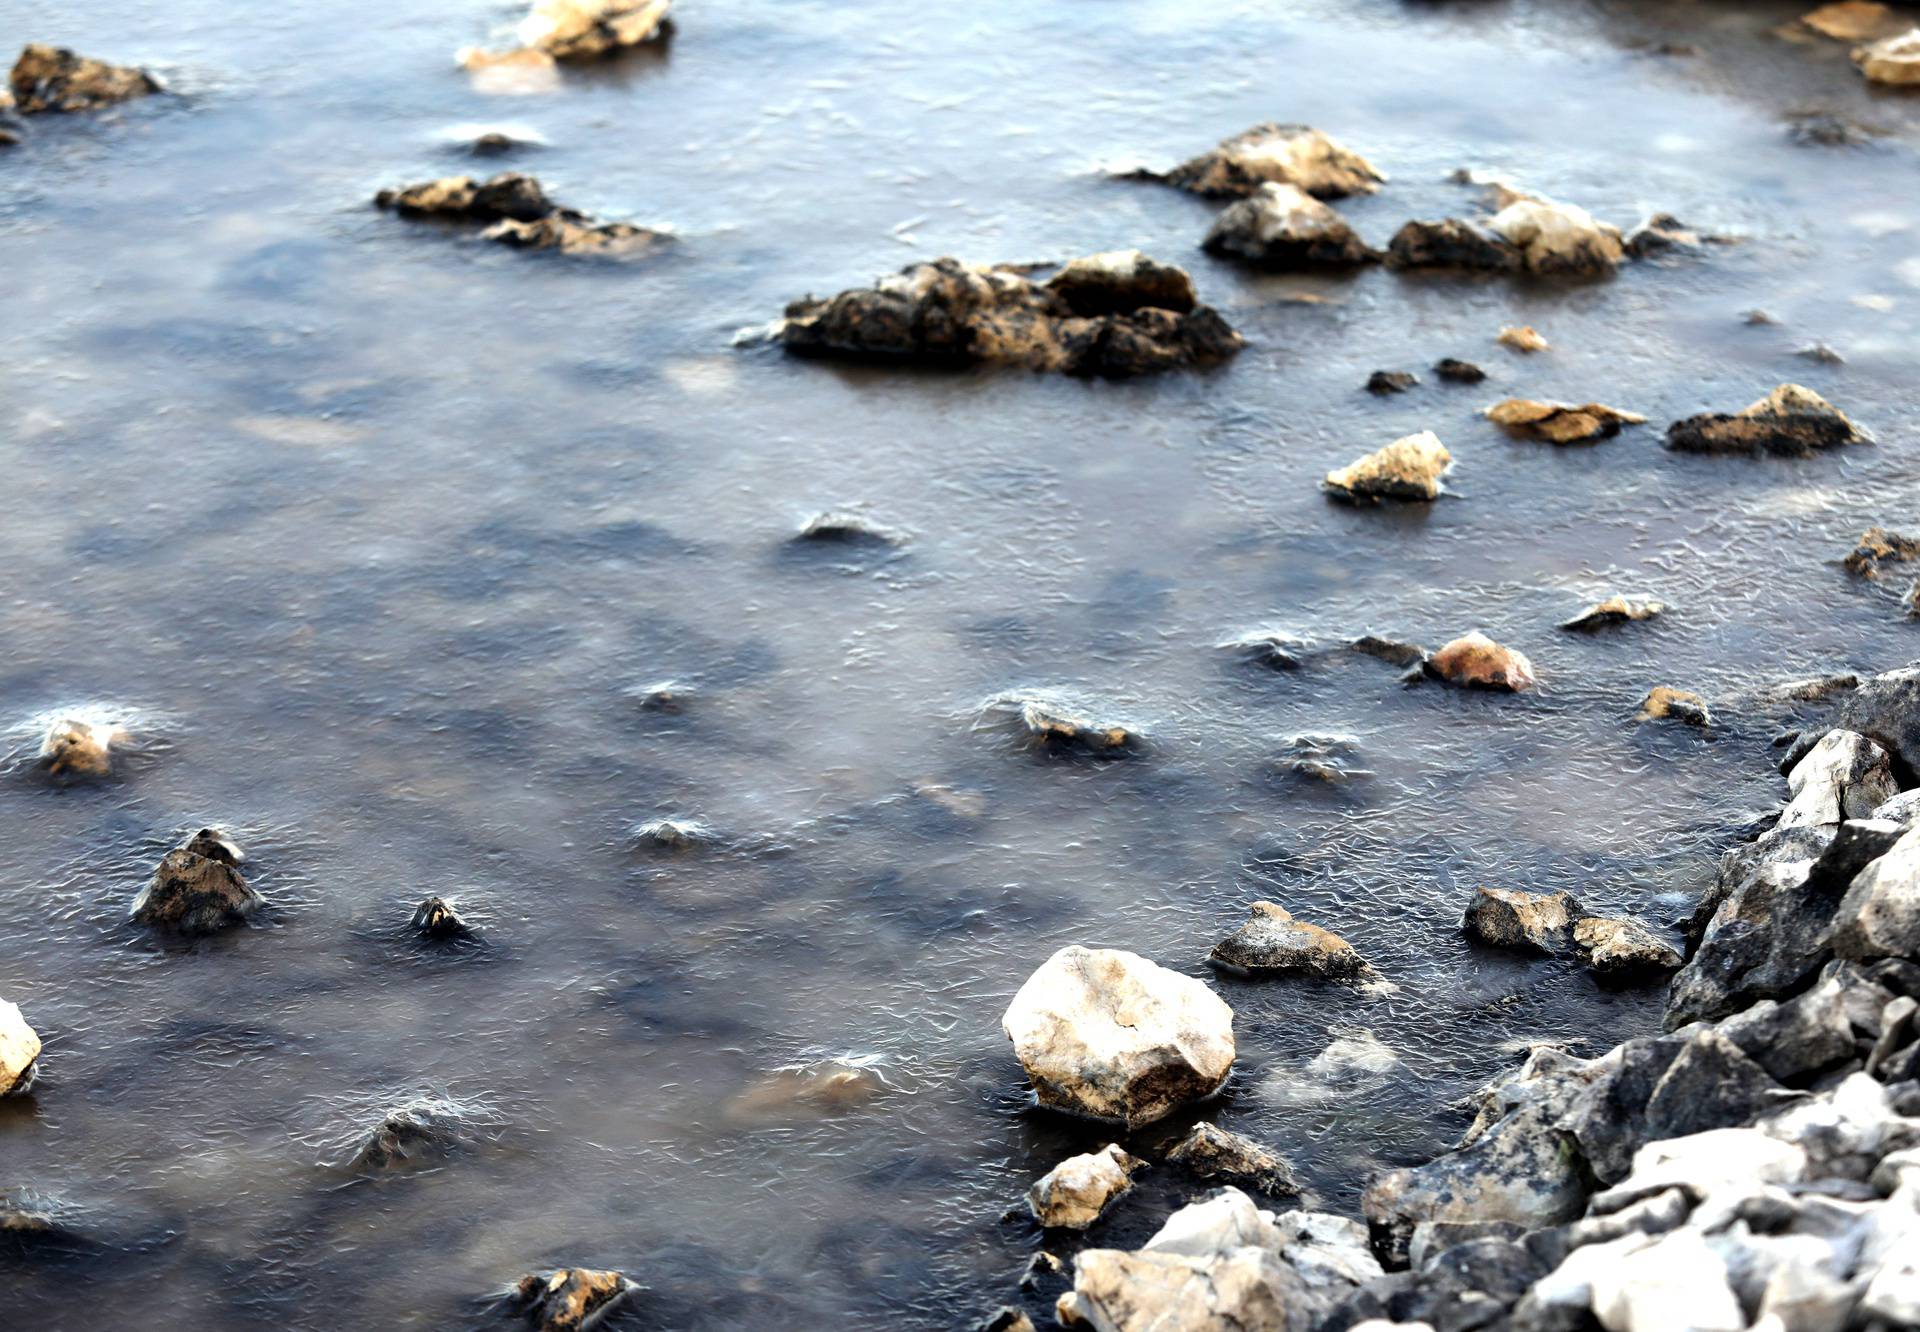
x: 1756, y: 1165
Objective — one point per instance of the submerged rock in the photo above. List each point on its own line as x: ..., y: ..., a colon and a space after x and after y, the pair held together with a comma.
x: 195, y: 893
x: 1273, y: 942
x: 1073, y: 1194
x: 1006, y: 1318
x: 1529, y: 922
x: 1215, y: 1153
x: 1452, y: 244
x: 1615, y: 610
x: 1324, y: 758
x: 424, y: 1129
x: 1279, y: 154
x: 1270, y: 647
x: 1522, y: 338
x: 1665, y: 234
x: 19, y: 1051
x: 1458, y: 372
x: 1410, y: 468
x: 839, y: 525
x: 1879, y: 547
x: 672, y: 834
x: 436, y: 918
x: 1477, y: 662
x: 1556, y: 238
x: 1894, y: 60
x: 1664, y: 703
x: 518, y: 213
x: 1383, y: 382
x: 571, y: 1299
x: 52, y: 78
x: 1112, y: 315
x: 76, y: 747
x: 1791, y: 421
x: 1282, y: 227
x: 825, y: 1087
x: 1559, y: 422
x: 1056, y: 725
x: 1106, y: 1033
x: 1394, y: 651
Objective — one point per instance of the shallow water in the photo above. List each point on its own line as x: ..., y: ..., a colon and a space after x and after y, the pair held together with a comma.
x: 381, y: 532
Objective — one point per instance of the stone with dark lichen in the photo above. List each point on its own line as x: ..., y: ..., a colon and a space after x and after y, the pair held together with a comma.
x: 1214, y: 1154
x: 571, y: 1299
x: 1789, y: 422
x: 1383, y: 382
x: 1454, y: 244
x: 1111, y: 315
x: 191, y: 893
x: 436, y: 918
x: 1274, y: 943
x: 1410, y: 468
x: 52, y: 78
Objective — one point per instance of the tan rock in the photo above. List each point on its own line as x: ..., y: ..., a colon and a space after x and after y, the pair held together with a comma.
x: 1409, y: 468
x: 77, y: 747
x: 1535, y: 922
x: 572, y: 1299
x: 1282, y: 227
x: 1559, y: 422
x: 1478, y: 662
x: 805, y: 1091
x: 1287, y: 154
x: 1618, y: 947
x: 1557, y: 238
x: 1073, y: 1194
x: 1214, y: 1153
x: 1616, y: 610
x: 1662, y: 702
x: 1522, y: 338
x: 518, y: 72
x: 1109, y: 1034
x: 1854, y: 21
x: 19, y: 1048
x: 1878, y: 547
x: 1894, y: 61
x: 1273, y: 942
x: 52, y: 78
x: 592, y: 29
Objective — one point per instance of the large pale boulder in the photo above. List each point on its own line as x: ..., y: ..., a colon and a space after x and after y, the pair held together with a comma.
x: 1073, y: 1194
x: 19, y: 1048
x: 1106, y: 1033
x: 1282, y: 227
x: 1477, y: 662
x: 1287, y: 154
x: 1558, y: 238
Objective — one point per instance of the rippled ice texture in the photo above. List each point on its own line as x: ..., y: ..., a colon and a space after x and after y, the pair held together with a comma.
x: 383, y: 528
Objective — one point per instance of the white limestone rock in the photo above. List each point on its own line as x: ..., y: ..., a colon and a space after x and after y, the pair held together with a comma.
x: 1073, y: 1194
x: 19, y: 1048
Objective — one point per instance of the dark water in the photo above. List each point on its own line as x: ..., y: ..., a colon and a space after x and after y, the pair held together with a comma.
x: 378, y: 532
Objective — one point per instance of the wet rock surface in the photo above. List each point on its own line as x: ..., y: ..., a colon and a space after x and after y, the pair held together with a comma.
x: 570, y: 1299
x: 196, y: 893
x: 1879, y: 548
x: 1475, y: 661
x: 1559, y: 422
x: 436, y: 918
x: 1108, y: 1034
x: 75, y: 747
x: 1057, y: 725
x: 1282, y: 227
x: 1074, y: 1193
x: 19, y: 1051
x: 1558, y: 239
x: 1410, y: 468
x: 54, y: 79
x: 1791, y: 421
x: 1213, y: 1153
x: 1665, y: 703
x: 1274, y: 648
x: 578, y: 32
x: 1615, y: 610
x: 1453, y: 244
x: 1894, y: 61
x: 515, y: 211
x: 1113, y: 315
x: 1522, y: 338
x: 1384, y: 382
x: 1509, y: 918
x: 806, y: 1091
x: 422, y: 1131
x: 1273, y: 942
x: 1275, y: 154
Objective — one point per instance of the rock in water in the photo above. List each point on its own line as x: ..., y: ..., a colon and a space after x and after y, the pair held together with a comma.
x: 1529, y: 922
x: 52, y: 78
x: 1214, y: 1153
x: 1053, y: 723
x: 1109, y: 1034
x: 593, y: 29
x: 1556, y: 238
x: 572, y: 1299
x: 1272, y: 942
x: 1410, y: 468
x: 1112, y: 315
x: 1452, y: 244
x: 1664, y: 703
x: 1615, y: 610
x: 1073, y: 1194
x: 517, y: 212
x: 1522, y: 338
x: 1894, y: 60
x: 1007, y: 1318
x: 1280, y: 154
x: 1622, y: 947
x: 426, y: 1128
x: 1476, y: 661
x: 1275, y: 648
x: 1852, y: 20
x: 1878, y: 547
x: 435, y: 918
x: 1559, y: 422
x: 1791, y: 421
x: 19, y: 1051
x: 74, y: 747
x: 1383, y: 382
x: 1458, y: 372
x: 1282, y: 227
x: 805, y: 1091
x: 193, y: 893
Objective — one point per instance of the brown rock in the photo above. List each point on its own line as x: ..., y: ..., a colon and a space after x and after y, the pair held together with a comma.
x: 1615, y: 610
x: 19, y: 1052
x: 1410, y: 468
x: 1791, y: 421
x: 1458, y: 372
x: 1273, y: 942
x: 1662, y: 702
x: 52, y: 78
x: 76, y: 747
x: 1528, y: 922
x: 195, y: 894
x: 1383, y: 382
x: 582, y: 30
x: 1522, y: 338
x: 1476, y: 661
x: 571, y: 1299
x: 1879, y: 547
x: 1074, y: 1193
x: 519, y: 213
x: 1285, y: 154
x: 1559, y: 422
x: 1117, y: 282
x: 1231, y: 1158
x: 1452, y: 244
x: 1854, y: 21
x: 436, y: 919
x: 1283, y: 228
x: 1894, y: 61
x: 1558, y: 239
x: 1622, y: 947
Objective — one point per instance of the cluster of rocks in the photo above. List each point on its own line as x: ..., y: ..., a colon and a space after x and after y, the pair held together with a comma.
x: 515, y: 211
x: 1756, y: 1165
x: 1111, y: 315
